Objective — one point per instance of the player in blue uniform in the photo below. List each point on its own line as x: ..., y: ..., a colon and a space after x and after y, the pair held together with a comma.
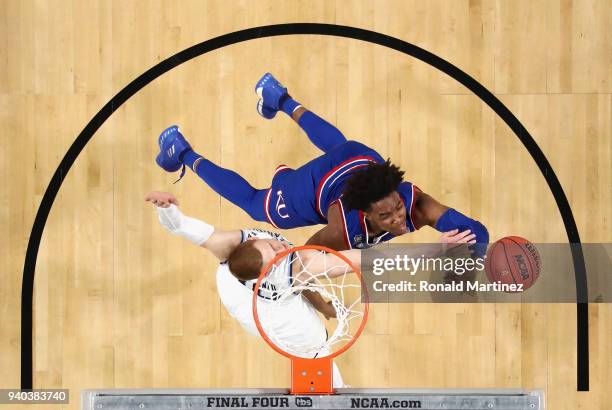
x: 361, y: 197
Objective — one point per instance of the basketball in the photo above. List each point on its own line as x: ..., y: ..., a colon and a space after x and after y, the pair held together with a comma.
x: 513, y: 260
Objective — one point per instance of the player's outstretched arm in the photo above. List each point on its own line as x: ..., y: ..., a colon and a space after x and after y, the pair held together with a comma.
x: 220, y: 243
x: 428, y: 211
x: 334, y: 266
x: 332, y: 235
x: 317, y: 262
x: 317, y: 301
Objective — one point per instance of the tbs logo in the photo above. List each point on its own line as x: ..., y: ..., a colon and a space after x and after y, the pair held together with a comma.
x: 303, y: 401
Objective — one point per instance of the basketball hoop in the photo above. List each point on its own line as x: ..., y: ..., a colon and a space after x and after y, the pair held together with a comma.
x: 311, y: 364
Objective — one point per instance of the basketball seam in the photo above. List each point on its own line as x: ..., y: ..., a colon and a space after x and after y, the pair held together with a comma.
x: 509, y: 267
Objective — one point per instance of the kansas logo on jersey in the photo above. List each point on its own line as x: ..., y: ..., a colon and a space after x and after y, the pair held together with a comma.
x: 281, y: 208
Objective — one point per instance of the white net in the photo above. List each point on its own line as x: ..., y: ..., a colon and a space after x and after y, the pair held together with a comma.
x: 290, y: 320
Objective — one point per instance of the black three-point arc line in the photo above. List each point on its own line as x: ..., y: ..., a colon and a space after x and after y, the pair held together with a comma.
x: 293, y: 29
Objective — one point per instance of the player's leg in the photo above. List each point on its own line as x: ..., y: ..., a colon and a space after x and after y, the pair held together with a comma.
x: 321, y: 133
x: 337, y: 380
x: 175, y: 152
x: 274, y: 97
x: 229, y: 184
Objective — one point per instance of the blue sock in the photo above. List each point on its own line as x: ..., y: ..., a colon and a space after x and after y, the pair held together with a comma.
x: 288, y: 105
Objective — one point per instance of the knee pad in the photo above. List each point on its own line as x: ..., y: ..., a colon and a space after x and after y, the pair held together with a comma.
x: 452, y: 219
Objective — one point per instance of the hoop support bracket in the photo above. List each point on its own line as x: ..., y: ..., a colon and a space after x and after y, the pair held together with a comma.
x: 312, y: 376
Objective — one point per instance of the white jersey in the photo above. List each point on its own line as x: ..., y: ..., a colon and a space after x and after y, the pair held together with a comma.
x: 295, y: 320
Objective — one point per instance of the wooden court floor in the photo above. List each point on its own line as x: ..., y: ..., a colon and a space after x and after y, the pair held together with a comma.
x: 119, y: 303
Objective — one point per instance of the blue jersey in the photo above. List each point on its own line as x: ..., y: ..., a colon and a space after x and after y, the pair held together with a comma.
x: 302, y: 196
x: 356, y: 234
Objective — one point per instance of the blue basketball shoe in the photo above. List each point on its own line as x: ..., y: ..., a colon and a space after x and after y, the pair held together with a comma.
x: 271, y: 93
x: 172, y: 145
x: 266, y: 112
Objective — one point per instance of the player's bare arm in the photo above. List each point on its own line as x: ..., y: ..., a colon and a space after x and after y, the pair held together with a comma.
x: 426, y: 210
x: 317, y: 301
x: 332, y: 234
x: 220, y: 243
x: 334, y: 266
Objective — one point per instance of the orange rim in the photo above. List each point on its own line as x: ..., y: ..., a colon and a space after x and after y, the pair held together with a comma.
x: 283, y: 254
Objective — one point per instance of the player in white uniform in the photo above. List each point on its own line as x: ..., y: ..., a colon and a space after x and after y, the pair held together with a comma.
x: 296, y: 321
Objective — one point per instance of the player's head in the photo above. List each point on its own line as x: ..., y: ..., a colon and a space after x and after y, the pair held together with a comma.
x: 373, y: 191
x: 247, y: 259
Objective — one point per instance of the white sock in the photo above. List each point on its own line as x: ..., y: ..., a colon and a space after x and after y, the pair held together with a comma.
x: 192, y: 229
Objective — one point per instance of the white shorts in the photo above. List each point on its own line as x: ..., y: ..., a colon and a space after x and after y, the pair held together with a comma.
x: 295, y: 320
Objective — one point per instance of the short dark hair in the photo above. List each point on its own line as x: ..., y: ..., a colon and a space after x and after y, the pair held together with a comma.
x: 373, y: 183
x: 245, y: 261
